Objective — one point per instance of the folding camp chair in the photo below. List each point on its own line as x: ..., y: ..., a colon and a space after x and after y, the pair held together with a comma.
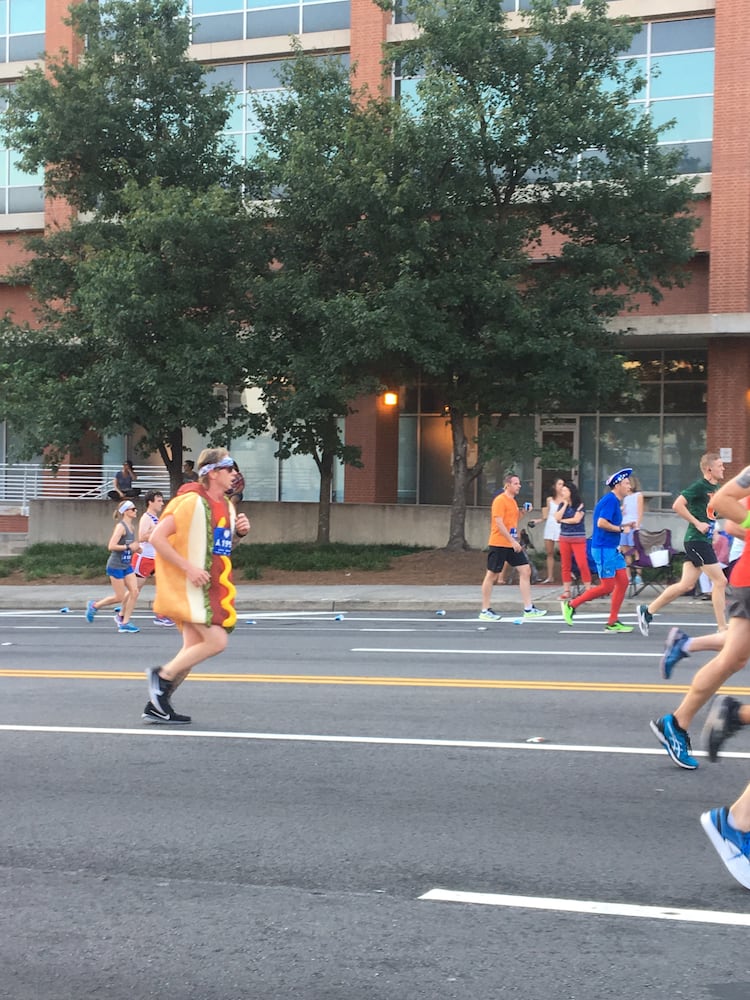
x: 653, y: 552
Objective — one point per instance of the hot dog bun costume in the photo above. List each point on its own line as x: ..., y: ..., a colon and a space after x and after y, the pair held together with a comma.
x: 203, y: 536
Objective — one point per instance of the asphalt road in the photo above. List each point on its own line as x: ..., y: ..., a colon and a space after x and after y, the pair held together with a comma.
x: 336, y: 773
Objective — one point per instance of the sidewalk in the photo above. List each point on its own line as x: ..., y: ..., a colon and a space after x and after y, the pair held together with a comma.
x: 257, y: 597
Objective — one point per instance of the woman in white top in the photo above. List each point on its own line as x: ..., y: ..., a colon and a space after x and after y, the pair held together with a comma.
x: 552, y: 526
x: 632, y: 513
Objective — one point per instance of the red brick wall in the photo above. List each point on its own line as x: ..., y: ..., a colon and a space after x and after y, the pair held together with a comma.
x: 728, y: 423
x: 374, y: 427
x: 730, y: 211
x: 368, y: 28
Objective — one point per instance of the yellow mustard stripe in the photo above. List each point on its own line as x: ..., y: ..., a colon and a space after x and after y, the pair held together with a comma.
x: 437, y: 682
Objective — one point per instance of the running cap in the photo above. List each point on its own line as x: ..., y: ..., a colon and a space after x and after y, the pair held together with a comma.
x: 227, y: 462
x: 617, y: 477
x: 125, y: 505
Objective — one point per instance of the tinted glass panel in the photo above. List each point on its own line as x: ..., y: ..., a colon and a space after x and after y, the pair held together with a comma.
x: 29, y: 199
x: 264, y: 75
x: 215, y: 6
x: 674, y: 36
x: 266, y: 23
x: 22, y: 47
x: 220, y: 28
x: 694, y: 118
x: 679, y: 75
x: 325, y: 16
x: 697, y: 158
x: 26, y: 16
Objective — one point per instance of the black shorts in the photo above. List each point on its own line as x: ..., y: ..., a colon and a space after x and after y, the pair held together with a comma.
x: 738, y: 602
x: 498, y: 556
x: 700, y: 553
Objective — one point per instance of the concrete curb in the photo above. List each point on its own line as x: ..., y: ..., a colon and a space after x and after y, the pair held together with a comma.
x: 330, y: 599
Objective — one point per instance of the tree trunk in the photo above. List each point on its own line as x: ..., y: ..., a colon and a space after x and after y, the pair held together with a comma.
x: 324, y: 499
x: 457, y: 533
x: 171, y: 454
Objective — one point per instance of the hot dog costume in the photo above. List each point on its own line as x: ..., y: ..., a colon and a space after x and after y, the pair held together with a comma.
x: 203, y: 536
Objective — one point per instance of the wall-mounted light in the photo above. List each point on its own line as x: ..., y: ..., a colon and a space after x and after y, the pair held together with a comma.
x: 390, y: 398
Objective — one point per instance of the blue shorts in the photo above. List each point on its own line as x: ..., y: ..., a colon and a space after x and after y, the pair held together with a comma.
x: 120, y: 574
x: 608, y: 561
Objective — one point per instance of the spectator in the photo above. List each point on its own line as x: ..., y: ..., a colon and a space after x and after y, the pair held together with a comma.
x: 123, y: 483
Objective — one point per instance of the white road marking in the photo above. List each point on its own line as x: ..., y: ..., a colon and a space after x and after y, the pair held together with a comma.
x: 592, y: 907
x: 150, y: 730
x: 494, y: 652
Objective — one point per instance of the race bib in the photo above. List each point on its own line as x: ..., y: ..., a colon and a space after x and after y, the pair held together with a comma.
x: 125, y: 556
x: 222, y: 542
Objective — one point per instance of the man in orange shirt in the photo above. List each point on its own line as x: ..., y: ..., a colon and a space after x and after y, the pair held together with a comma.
x: 506, y: 548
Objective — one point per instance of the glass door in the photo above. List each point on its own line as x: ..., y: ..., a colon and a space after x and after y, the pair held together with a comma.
x: 559, y: 442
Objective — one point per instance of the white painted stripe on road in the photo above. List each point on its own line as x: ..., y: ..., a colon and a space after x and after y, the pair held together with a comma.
x: 150, y: 730
x: 592, y: 907
x: 495, y: 652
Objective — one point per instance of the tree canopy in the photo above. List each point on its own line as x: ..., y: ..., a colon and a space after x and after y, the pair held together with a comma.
x: 141, y: 300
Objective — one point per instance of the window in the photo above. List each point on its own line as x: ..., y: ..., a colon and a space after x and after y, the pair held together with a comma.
x: 19, y: 192
x: 21, y: 30
x: 262, y: 80
x: 677, y: 60
x: 229, y: 20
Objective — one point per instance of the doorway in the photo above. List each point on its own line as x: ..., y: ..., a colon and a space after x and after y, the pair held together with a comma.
x: 560, y: 437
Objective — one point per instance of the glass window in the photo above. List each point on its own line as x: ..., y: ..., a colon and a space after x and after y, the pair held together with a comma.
x: 250, y: 4
x: 264, y: 75
x: 693, y: 118
x: 684, y: 74
x: 218, y: 28
x: 25, y: 199
x: 24, y: 47
x: 696, y: 158
x: 26, y: 16
x: 266, y: 23
x: 325, y: 16
x: 678, y: 36
x: 683, y: 443
x: 216, y: 6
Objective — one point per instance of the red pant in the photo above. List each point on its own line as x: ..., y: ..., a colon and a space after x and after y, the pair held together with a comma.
x: 615, y: 585
x: 573, y: 547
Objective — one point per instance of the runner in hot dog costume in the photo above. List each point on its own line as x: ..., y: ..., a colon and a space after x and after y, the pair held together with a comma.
x: 193, y: 545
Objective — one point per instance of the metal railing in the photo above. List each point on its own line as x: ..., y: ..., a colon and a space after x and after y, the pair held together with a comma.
x: 21, y: 483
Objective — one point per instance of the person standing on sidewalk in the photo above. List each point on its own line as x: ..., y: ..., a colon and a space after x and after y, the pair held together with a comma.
x: 605, y: 551
x: 693, y: 504
x: 193, y: 544
x: 570, y: 517
x: 672, y: 730
x: 505, y: 547
x: 122, y: 544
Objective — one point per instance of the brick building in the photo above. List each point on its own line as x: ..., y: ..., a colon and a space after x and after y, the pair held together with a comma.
x: 691, y: 353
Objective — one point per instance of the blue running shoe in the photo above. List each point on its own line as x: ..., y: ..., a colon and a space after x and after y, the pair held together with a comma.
x: 675, y: 740
x: 732, y: 846
x: 91, y: 610
x: 674, y: 651
x: 128, y: 627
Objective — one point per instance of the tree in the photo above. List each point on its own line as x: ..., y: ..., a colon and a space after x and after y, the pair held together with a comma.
x: 141, y: 301
x: 327, y: 321
x: 550, y: 205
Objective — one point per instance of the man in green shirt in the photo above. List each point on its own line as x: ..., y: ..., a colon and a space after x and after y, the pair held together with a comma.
x: 694, y: 504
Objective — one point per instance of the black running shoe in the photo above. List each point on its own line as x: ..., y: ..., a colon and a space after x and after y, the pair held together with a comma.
x: 722, y: 722
x: 159, y: 691
x: 154, y: 716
